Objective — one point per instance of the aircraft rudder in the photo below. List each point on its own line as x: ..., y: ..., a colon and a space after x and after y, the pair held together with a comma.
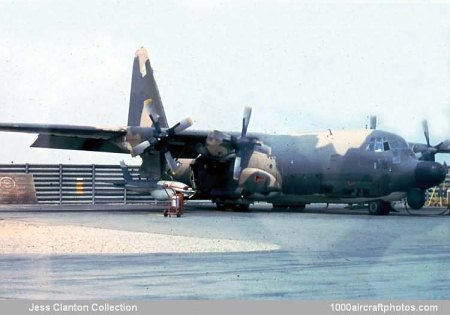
x: 144, y: 90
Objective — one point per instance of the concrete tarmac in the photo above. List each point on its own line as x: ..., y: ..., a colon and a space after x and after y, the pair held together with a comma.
x: 324, y: 254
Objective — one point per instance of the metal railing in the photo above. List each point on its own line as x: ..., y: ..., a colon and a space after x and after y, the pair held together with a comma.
x: 79, y: 183
x: 92, y: 183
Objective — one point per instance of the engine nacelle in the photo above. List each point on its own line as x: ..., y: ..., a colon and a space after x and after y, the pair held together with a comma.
x: 254, y: 180
x: 218, y: 144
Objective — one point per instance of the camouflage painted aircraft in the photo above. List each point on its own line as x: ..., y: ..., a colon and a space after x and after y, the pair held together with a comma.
x: 234, y: 169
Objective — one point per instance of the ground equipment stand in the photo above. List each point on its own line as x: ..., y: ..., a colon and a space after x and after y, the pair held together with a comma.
x: 176, y: 206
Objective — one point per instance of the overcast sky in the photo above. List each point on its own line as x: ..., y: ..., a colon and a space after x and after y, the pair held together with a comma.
x: 302, y: 66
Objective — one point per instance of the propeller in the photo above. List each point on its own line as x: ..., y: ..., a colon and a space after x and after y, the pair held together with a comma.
x: 159, y: 138
x: 426, y: 132
x: 243, y: 143
x: 429, y: 152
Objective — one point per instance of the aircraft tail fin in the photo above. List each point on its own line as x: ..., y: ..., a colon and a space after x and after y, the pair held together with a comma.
x: 126, y: 173
x: 144, y: 90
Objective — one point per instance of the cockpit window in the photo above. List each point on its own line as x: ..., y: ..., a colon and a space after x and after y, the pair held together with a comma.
x: 397, y: 146
x: 378, y: 144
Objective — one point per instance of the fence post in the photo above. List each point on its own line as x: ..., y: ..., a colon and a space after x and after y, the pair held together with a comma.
x: 26, y: 168
x: 93, y: 184
x: 60, y: 182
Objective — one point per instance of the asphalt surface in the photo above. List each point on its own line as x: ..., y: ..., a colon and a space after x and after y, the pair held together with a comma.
x: 324, y: 254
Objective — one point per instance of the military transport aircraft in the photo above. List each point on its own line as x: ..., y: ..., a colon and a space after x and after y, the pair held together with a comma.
x: 234, y: 169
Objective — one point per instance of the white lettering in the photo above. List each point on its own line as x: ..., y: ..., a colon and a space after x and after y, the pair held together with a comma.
x: 39, y: 308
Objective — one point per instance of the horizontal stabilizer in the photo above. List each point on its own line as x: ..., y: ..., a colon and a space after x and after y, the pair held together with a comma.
x: 125, y: 172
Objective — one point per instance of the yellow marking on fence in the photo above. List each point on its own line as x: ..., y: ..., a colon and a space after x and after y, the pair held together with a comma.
x: 79, y: 186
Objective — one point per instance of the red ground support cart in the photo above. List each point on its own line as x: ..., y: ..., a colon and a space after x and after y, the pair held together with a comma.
x: 176, y: 206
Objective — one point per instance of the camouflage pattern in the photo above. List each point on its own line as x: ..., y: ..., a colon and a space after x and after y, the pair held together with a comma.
x: 360, y: 166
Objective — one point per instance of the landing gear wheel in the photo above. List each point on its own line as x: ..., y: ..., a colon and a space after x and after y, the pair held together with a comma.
x: 298, y: 207
x: 415, y: 198
x: 379, y: 207
x: 241, y: 207
x: 277, y: 206
x: 220, y: 206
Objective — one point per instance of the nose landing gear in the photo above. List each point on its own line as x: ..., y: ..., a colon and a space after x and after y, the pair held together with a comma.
x: 415, y: 198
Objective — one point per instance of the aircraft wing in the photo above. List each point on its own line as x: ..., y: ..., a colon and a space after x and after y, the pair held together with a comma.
x: 428, y: 152
x: 58, y: 136
x: 188, y: 144
x: 65, y: 130
x: 104, y: 139
x: 443, y: 147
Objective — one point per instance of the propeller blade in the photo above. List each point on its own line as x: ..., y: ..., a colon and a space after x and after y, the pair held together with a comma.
x: 154, y: 117
x: 426, y: 132
x: 237, y: 168
x: 246, y: 120
x: 173, y: 165
x: 182, y: 125
x: 140, y: 148
x: 443, y: 147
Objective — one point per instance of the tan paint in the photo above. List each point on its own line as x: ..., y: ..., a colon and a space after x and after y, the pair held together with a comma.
x: 341, y: 140
x: 142, y: 54
x: 145, y: 116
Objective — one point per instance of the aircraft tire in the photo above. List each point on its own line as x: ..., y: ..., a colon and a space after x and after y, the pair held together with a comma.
x: 241, y: 207
x: 298, y: 207
x: 379, y: 207
x: 279, y: 207
x: 220, y: 206
x: 415, y: 198
x: 232, y: 206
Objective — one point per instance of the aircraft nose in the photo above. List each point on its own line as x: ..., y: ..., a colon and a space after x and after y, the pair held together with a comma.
x: 429, y: 174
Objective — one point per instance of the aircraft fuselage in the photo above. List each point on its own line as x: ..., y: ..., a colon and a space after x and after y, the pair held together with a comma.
x: 330, y: 166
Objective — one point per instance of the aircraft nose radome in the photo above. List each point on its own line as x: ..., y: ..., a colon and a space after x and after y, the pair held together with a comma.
x: 429, y: 174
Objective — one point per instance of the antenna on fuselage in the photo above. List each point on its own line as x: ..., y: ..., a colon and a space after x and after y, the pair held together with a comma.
x: 373, y: 122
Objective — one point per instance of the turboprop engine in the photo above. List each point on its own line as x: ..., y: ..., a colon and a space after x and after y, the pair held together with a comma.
x: 218, y: 144
x: 254, y: 168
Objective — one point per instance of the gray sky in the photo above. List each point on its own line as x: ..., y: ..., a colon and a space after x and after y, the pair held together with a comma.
x: 302, y: 66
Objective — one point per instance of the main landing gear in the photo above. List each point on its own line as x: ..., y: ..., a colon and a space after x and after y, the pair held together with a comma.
x: 379, y: 207
x: 296, y: 207
x: 239, y: 207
